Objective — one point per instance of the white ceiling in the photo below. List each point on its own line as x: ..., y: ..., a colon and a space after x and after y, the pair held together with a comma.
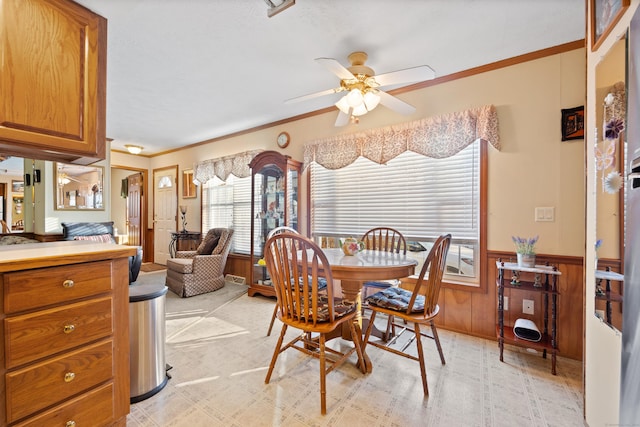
x: 184, y: 71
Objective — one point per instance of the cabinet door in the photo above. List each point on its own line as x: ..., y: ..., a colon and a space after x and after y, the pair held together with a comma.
x: 52, y: 80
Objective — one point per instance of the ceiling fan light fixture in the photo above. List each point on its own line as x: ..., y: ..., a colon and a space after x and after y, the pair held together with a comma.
x: 355, y: 98
x: 371, y: 100
x: 133, y: 149
x: 360, y: 110
x: 343, y: 105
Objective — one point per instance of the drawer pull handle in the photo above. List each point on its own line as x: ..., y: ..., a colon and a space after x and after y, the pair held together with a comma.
x: 69, y: 376
x: 68, y: 284
x: 69, y: 328
x: 70, y: 424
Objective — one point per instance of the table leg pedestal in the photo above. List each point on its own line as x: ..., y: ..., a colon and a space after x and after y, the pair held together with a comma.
x: 351, y: 292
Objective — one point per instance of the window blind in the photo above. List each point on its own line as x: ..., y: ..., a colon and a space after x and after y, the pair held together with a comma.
x: 228, y: 204
x: 420, y: 196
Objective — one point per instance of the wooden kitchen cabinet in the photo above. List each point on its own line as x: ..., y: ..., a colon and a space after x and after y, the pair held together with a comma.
x: 52, y: 81
x: 65, y: 318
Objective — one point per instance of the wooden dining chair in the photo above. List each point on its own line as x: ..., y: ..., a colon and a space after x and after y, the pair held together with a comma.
x: 296, y: 265
x: 417, y: 307
x: 385, y: 239
x: 273, y: 232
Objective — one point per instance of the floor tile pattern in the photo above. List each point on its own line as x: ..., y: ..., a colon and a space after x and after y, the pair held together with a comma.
x: 220, y: 354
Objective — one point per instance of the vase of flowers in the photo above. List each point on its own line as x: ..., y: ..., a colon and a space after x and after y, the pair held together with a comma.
x: 525, y: 250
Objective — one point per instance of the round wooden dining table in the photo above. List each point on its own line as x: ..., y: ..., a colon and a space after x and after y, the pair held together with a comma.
x: 366, y: 266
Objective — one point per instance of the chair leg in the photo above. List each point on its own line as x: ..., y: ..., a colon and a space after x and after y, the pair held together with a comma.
x: 276, y: 352
x: 273, y: 319
x: 423, y: 368
x: 367, y: 333
x: 356, y: 342
x: 434, y: 331
x: 323, y: 377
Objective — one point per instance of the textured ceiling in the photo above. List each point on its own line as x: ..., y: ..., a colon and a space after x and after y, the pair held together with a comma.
x: 184, y: 71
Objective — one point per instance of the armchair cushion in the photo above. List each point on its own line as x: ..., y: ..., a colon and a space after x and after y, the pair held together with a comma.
x: 102, y: 238
x: 207, y: 246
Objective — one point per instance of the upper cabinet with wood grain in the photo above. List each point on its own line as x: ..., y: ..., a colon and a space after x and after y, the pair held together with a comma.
x: 52, y: 81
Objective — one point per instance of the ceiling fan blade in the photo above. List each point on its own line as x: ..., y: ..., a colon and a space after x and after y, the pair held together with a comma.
x: 342, y: 119
x: 313, y: 95
x: 408, y: 75
x: 396, y: 104
x: 336, y: 68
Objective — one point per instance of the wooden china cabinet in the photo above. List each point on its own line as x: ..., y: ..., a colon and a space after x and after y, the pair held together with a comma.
x: 274, y: 203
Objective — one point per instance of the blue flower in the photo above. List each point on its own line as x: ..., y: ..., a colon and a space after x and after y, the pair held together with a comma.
x: 613, y: 128
x: 525, y: 246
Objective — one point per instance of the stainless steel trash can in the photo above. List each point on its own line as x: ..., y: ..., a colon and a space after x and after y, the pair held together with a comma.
x: 147, y: 340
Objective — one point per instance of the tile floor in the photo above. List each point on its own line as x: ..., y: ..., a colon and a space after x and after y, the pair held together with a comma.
x: 220, y: 354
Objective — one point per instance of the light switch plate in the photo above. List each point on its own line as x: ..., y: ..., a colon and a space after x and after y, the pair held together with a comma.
x: 545, y: 214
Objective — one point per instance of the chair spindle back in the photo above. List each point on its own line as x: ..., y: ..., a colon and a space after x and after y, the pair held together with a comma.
x: 433, y: 269
x: 295, y: 265
x: 385, y: 239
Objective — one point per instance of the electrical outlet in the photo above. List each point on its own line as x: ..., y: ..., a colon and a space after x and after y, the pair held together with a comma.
x: 527, y: 306
x: 506, y: 303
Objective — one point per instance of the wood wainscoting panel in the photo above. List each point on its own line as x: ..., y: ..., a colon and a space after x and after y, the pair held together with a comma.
x: 457, y: 309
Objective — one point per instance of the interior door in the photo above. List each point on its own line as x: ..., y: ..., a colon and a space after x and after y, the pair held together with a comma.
x: 134, y: 208
x: 165, y: 208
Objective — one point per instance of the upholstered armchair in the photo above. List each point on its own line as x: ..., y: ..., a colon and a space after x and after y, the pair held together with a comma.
x: 197, y: 272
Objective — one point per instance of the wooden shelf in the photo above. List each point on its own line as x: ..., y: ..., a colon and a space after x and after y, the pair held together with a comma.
x: 549, y: 277
x: 526, y: 285
x: 511, y: 338
x: 610, y: 296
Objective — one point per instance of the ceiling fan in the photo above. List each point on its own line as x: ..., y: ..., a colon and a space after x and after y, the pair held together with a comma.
x: 363, y: 87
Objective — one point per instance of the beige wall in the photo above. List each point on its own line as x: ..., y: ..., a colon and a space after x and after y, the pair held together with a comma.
x: 533, y: 169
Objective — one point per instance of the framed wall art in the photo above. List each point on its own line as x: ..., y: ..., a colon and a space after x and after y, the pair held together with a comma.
x: 17, y: 186
x: 188, y: 187
x: 604, y: 16
x: 573, y: 123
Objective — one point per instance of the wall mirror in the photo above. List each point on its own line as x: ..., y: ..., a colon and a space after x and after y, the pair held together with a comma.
x: 609, y: 155
x: 78, y: 187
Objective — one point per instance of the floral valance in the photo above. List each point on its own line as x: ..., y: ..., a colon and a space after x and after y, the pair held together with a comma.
x: 237, y: 164
x: 438, y: 137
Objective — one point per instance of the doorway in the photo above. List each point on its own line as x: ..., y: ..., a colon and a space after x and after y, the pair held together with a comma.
x: 165, y: 208
x: 129, y: 207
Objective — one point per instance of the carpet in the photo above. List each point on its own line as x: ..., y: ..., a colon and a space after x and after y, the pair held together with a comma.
x: 149, y: 267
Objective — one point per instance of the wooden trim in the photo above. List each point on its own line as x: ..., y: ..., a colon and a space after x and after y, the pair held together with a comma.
x: 566, y: 47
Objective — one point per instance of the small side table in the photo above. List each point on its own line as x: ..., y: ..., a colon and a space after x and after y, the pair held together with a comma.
x: 180, y: 238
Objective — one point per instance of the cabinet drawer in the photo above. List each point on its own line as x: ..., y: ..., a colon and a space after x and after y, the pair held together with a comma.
x: 94, y: 408
x: 44, y: 384
x: 35, y: 335
x: 25, y: 290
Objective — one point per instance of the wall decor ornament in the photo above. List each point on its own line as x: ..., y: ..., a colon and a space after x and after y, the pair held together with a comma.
x: 572, y: 125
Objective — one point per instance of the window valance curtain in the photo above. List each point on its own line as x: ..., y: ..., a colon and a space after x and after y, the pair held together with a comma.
x: 237, y: 164
x: 437, y: 137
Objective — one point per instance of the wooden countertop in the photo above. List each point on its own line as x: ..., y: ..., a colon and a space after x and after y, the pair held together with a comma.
x: 48, y: 254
